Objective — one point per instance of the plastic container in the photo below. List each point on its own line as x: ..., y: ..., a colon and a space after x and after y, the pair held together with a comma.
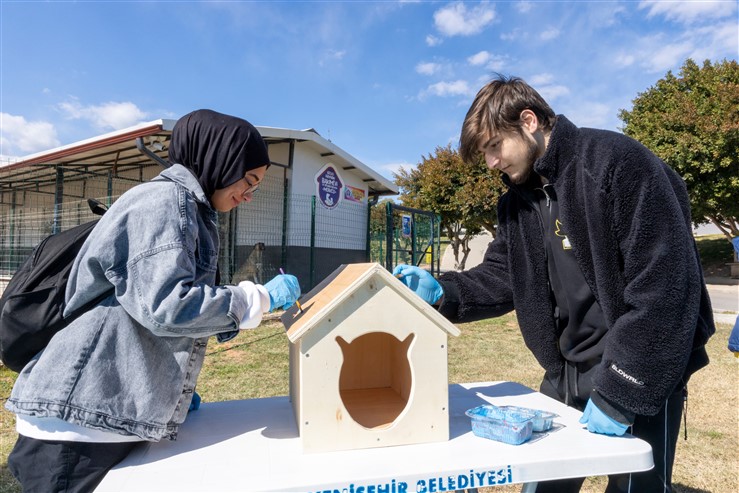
x: 542, y: 419
x: 508, y: 426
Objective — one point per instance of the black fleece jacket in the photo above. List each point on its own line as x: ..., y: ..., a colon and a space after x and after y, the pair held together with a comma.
x: 628, y: 218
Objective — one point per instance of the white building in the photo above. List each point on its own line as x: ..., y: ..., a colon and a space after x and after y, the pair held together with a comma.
x: 309, y: 216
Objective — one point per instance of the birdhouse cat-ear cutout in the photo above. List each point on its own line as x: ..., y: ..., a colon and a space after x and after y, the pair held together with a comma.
x: 376, y: 380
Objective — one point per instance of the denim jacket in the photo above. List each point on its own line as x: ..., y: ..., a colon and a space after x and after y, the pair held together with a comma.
x: 129, y: 365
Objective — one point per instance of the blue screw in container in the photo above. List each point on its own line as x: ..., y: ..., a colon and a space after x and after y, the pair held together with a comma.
x: 504, y: 425
x: 542, y: 419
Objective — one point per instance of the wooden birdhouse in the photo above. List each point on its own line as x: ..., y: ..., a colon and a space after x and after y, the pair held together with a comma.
x: 368, y: 363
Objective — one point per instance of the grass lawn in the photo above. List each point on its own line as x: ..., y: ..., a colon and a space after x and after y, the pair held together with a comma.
x: 255, y: 364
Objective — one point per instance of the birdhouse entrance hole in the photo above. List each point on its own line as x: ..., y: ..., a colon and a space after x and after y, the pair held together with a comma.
x: 376, y: 381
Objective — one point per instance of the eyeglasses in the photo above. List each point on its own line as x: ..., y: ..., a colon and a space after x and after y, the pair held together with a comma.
x: 250, y: 189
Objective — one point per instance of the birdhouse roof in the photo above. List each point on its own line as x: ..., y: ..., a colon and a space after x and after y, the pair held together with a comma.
x: 339, y: 285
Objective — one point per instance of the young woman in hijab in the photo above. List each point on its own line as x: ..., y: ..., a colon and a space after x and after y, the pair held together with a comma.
x: 125, y: 371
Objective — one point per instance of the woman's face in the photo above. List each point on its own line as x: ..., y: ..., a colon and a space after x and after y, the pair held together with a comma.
x: 225, y: 199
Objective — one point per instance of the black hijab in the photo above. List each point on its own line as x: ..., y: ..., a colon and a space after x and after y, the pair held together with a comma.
x: 218, y: 149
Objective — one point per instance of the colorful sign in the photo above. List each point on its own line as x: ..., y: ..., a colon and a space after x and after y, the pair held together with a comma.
x: 329, y: 186
x: 353, y: 194
x: 407, y: 224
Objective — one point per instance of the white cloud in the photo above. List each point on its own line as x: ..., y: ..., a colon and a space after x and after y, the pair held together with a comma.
x: 512, y: 35
x: 715, y: 39
x: 18, y: 135
x: 590, y: 114
x: 456, y: 20
x: 551, y: 93
x: 689, y: 12
x: 447, y: 89
x: 107, y: 116
x: 388, y: 170
x: 433, y: 40
x: 543, y: 83
x: 549, y: 34
x: 330, y: 56
x: 623, y: 60
x: 496, y: 63
x: 428, y: 68
x: 540, y: 79
x: 668, y: 56
x: 523, y: 6
x: 490, y: 61
x: 480, y: 58
x: 661, y: 52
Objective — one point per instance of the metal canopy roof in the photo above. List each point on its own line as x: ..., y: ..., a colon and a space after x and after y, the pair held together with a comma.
x: 118, y: 152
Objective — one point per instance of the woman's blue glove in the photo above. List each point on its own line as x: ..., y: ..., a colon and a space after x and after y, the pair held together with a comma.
x: 600, y: 422
x: 419, y: 281
x: 283, y: 291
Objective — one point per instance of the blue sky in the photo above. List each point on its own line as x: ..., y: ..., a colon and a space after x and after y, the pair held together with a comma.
x: 387, y: 81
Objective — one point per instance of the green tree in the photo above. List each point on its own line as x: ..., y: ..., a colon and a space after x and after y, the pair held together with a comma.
x: 691, y: 121
x: 464, y: 195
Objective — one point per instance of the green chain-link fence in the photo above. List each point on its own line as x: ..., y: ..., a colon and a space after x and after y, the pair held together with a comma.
x: 275, y: 230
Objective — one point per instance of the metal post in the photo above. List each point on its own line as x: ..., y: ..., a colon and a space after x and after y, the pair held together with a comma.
x: 11, y: 259
x: 437, y: 231
x: 367, y: 244
x: 413, y: 239
x: 312, y: 239
x: 56, y: 224
x: 109, y: 200
x: 233, y: 221
x: 389, y: 235
x: 285, y: 202
x: 283, y: 252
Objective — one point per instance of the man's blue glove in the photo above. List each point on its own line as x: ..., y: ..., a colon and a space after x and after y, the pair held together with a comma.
x: 419, y: 281
x: 195, y: 402
x: 600, y: 422
x: 283, y: 291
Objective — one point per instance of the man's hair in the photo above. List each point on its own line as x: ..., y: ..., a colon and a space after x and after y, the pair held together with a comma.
x: 497, y: 108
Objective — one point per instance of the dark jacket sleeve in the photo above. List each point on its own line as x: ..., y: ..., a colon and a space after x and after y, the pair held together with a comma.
x: 483, y: 291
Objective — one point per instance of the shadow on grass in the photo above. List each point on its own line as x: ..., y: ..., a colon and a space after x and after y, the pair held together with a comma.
x: 245, y: 344
x: 679, y: 488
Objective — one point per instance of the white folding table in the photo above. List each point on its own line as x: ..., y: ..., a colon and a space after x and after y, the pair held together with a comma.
x: 253, y: 445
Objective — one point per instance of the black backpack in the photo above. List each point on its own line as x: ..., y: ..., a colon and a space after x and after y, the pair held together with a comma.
x: 32, y: 304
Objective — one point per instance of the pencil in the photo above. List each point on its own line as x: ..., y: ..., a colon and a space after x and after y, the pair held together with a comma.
x: 297, y: 303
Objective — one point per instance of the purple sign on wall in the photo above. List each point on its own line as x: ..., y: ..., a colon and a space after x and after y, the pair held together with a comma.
x: 329, y: 186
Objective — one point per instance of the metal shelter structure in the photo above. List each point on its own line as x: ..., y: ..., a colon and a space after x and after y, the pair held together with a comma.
x: 45, y: 193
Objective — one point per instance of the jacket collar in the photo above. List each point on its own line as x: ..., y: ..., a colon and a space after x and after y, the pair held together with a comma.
x: 179, y: 174
x: 560, y: 150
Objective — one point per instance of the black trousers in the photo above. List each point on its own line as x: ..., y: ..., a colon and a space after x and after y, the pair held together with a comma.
x: 661, y: 431
x: 44, y: 466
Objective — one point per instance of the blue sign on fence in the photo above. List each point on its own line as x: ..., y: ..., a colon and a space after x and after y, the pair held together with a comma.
x: 406, y: 226
x: 329, y: 186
